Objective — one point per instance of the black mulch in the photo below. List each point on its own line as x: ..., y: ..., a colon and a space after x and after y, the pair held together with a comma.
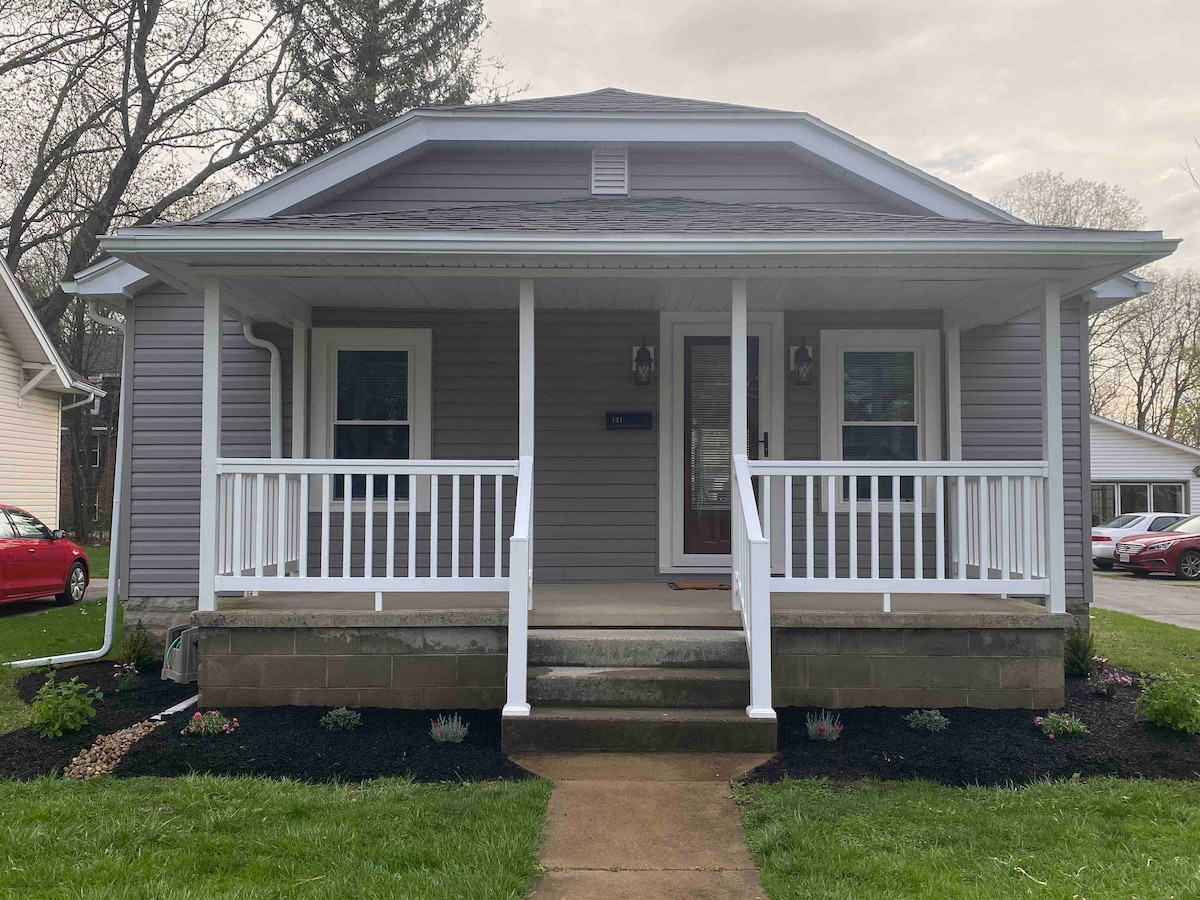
x: 986, y: 746
x: 25, y: 754
x: 288, y: 742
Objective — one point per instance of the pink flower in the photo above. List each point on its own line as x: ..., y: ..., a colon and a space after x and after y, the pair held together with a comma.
x: 1037, y: 720
x: 820, y: 729
x: 1050, y: 736
x: 197, y: 716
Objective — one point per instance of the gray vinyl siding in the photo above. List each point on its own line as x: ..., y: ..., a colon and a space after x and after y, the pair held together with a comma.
x: 1002, y: 416
x: 450, y: 177
x: 164, y: 499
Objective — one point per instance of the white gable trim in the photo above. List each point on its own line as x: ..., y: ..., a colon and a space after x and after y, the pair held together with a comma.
x: 25, y: 330
x: 1153, y: 438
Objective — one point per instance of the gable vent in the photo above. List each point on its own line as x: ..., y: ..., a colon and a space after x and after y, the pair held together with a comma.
x: 610, y: 170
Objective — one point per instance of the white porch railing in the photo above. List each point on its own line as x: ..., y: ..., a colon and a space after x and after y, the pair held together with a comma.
x: 960, y: 527
x: 520, y: 594
x: 288, y: 511
x: 750, y: 585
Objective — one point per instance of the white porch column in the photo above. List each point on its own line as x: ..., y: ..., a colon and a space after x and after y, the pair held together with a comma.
x: 1052, y: 446
x: 210, y: 441
x: 953, y: 393
x: 299, y: 390
x: 737, y: 348
x: 525, y: 380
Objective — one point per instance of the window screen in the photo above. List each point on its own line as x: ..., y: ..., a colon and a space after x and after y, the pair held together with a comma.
x: 371, y: 418
x: 879, y: 415
x: 1167, y: 498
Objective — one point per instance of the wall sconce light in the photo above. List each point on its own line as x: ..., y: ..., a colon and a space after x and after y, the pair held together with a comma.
x: 802, y: 363
x: 643, y: 364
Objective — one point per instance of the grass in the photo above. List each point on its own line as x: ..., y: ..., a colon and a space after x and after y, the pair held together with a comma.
x: 248, y: 838
x: 1104, y: 838
x: 1145, y: 646
x: 97, y: 559
x: 57, y: 629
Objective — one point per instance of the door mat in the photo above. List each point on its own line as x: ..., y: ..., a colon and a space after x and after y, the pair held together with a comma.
x: 698, y: 585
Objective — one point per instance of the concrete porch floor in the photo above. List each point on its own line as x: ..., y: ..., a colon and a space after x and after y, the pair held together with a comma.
x: 645, y: 605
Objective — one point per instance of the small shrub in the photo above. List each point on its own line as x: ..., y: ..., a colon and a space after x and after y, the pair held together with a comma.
x: 1104, y: 681
x: 1079, y: 652
x: 448, y: 729
x: 125, y: 676
x: 211, y: 722
x: 930, y: 720
x: 1056, y: 725
x: 59, y: 709
x: 1172, y: 701
x: 139, y: 649
x: 341, y: 719
x: 823, y: 726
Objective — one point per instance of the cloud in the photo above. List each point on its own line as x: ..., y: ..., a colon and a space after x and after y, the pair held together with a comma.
x: 977, y: 92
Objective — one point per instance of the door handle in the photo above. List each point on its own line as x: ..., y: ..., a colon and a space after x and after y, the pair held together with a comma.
x: 766, y: 445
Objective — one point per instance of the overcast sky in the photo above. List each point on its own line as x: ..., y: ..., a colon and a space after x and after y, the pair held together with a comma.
x: 978, y: 93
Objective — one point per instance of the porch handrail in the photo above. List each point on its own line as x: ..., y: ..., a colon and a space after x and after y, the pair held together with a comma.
x: 751, y: 589
x: 520, y: 591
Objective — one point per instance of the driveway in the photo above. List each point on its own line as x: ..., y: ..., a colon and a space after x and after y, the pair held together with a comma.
x: 97, y: 589
x: 1159, y: 598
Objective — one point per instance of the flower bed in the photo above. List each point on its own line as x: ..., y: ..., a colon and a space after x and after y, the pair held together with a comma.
x: 289, y: 742
x: 26, y: 754
x: 987, y: 746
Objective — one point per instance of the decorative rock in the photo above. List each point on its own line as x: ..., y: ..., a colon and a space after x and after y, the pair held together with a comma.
x: 102, y: 757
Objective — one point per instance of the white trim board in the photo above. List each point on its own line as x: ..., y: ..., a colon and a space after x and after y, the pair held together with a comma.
x: 769, y: 329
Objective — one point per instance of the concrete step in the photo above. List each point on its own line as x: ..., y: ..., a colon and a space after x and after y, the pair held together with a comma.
x: 676, y: 647
x: 633, y: 686
x: 549, y: 728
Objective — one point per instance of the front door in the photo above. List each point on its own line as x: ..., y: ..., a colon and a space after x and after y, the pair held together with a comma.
x: 700, y: 397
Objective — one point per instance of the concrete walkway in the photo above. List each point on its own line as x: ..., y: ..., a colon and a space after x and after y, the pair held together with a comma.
x: 1159, y: 598
x: 624, y: 826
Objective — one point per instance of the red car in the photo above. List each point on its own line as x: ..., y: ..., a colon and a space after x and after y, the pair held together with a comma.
x: 1175, y: 552
x: 38, y: 562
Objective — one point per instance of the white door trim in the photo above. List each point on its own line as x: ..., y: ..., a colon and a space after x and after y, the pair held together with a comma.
x: 768, y: 327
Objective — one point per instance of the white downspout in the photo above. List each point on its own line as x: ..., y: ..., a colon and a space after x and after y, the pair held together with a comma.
x: 114, y: 550
x: 276, y: 387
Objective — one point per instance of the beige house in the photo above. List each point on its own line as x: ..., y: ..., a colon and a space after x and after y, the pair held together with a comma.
x: 33, y: 382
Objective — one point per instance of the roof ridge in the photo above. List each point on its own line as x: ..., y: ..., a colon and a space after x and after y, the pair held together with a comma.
x: 621, y: 93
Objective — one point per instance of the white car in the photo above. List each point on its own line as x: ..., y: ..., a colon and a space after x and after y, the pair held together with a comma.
x: 1105, y: 537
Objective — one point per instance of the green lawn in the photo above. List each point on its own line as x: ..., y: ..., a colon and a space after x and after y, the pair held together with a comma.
x: 1145, y: 646
x: 248, y: 838
x: 97, y: 559
x: 1104, y: 838
x: 57, y: 629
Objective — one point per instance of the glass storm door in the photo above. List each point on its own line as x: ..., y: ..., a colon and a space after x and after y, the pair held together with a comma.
x: 707, y: 481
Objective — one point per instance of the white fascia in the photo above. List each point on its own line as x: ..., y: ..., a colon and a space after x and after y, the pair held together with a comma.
x: 50, y: 354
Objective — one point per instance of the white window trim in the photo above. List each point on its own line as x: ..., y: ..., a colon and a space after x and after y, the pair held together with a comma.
x: 927, y: 344
x: 1150, y: 485
x: 419, y: 344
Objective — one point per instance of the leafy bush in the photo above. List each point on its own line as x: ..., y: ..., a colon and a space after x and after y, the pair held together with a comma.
x: 341, y: 719
x: 823, y: 726
x: 1056, y: 725
x: 62, y: 708
x: 1172, y: 701
x: 448, y: 729
x: 139, y: 649
x: 1079, y: 652
x: 930, y: 720
x: 211, y: 722
x: 1104, y: 681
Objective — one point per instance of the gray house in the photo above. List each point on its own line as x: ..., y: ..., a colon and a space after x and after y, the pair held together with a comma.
x: 637, y: 417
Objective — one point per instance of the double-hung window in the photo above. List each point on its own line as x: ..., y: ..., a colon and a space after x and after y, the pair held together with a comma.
x: 371, y: 400
x: 880, y: 402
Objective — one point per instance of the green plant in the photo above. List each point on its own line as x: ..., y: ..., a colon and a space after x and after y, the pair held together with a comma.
x: 1172, y: 701
x: 125, y: 676
x: 211, y: 722
x: 1104, y: 681
x: 139, y: 649
x: 930, y: 720
x: 1056, y: 725
x: 341, y: 719
x: 58, y: 709
x: 448, y: 729
x: 823, y: 726
x: 1079, y: 652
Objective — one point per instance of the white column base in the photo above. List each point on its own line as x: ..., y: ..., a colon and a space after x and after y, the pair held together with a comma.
x: 512, y: 710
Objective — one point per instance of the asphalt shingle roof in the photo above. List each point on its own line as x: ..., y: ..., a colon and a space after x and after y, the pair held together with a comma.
x: 608, y: 215
x: 609, y: 100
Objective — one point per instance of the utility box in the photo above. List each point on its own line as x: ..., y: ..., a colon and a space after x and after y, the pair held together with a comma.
x: 181, y: 661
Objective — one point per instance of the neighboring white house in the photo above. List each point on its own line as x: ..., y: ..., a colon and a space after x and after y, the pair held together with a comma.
x: 1134, y: 471
x: 33, y: 380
